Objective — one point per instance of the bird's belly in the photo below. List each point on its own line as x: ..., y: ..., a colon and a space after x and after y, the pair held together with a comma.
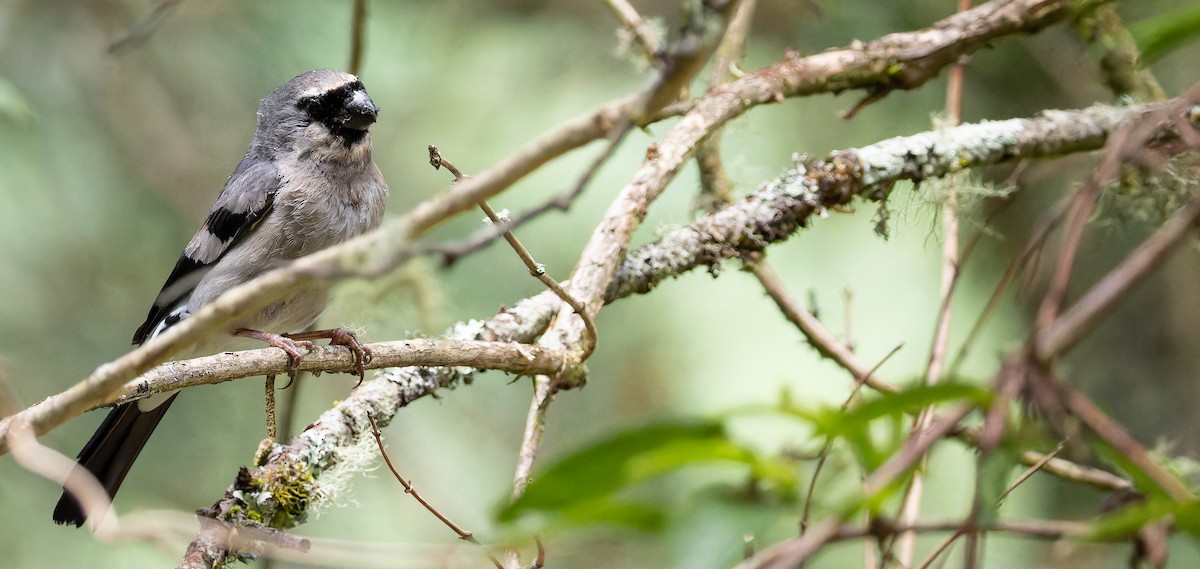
x: 297, y: 312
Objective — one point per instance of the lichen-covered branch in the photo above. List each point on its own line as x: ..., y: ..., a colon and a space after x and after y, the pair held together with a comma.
x: 780, y: 207
x: 896, y: 61
x: 287, y: 480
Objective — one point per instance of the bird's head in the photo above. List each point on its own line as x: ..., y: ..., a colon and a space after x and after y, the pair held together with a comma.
x: 318, y: 109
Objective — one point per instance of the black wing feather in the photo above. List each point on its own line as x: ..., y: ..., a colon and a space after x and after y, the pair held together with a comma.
x: 246, y: 199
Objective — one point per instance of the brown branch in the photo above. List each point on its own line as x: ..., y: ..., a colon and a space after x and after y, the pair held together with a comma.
x: 1041, y: 232
x: 1103, y: 298
x: 219, y: 368
x: 910, y: 506
x: 269, y: 411
x: 544, y: 391
x: 816, y: 333
x: 1120, y: 439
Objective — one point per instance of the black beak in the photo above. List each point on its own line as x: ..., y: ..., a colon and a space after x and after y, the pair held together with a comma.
x: 360, y: 111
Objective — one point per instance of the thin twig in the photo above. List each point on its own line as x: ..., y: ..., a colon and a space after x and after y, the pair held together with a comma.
x: 1046, y: 225
x: 544, y: 389
x: 715, y: 186
x: 815, y: 332
x: 138, y: 34
x: 1123, y: 442
x: 940, y: 548
x: 828, y: 446
x: 1037, y: 466
x: 536, y: 270
x: 535, y: 427
x: 409, y: 489
x: 452, y: 252
x: 288, y: 416
x: 358, y: 32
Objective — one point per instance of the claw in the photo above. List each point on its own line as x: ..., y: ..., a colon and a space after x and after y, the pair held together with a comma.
x: 342, y: 337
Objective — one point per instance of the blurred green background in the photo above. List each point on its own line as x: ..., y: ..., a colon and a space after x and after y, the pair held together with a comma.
x: 109, y: 162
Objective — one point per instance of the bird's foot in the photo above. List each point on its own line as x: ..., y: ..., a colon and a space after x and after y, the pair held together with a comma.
x: 295, y: 348
x: 342, y: 337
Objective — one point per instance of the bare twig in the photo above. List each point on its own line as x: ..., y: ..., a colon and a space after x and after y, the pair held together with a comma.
x: 409, y: 489
x: 1041, y: 232
x: 531, y: 441
x: 1033, y: 469
x: 940, y: 548
x: 451, y: 253
x: 358, y: 32
x: 828, y: 446
x: 817, y: 335
x: 715, y: 187
x: 536, y: 270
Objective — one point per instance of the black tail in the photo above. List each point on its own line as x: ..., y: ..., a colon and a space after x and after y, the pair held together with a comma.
x: 110, y: 453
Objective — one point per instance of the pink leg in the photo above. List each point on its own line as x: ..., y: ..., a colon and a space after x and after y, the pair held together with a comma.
x: 291, y: 346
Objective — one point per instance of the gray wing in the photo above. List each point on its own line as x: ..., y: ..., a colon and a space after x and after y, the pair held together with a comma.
x: 246, y: 199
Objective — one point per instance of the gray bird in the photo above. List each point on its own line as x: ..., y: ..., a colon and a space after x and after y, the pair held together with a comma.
x: 307, y: 182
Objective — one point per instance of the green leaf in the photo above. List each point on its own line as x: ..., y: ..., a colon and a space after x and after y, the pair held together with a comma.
x: 1141, y: 480
x: 1187, y: 518
x: 1131, y: 518
x: 590, y: 475
x: 1166, y: 32
x: 632, y: 515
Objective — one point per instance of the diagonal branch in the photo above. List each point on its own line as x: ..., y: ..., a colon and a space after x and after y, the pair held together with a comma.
x: 784, y: 205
